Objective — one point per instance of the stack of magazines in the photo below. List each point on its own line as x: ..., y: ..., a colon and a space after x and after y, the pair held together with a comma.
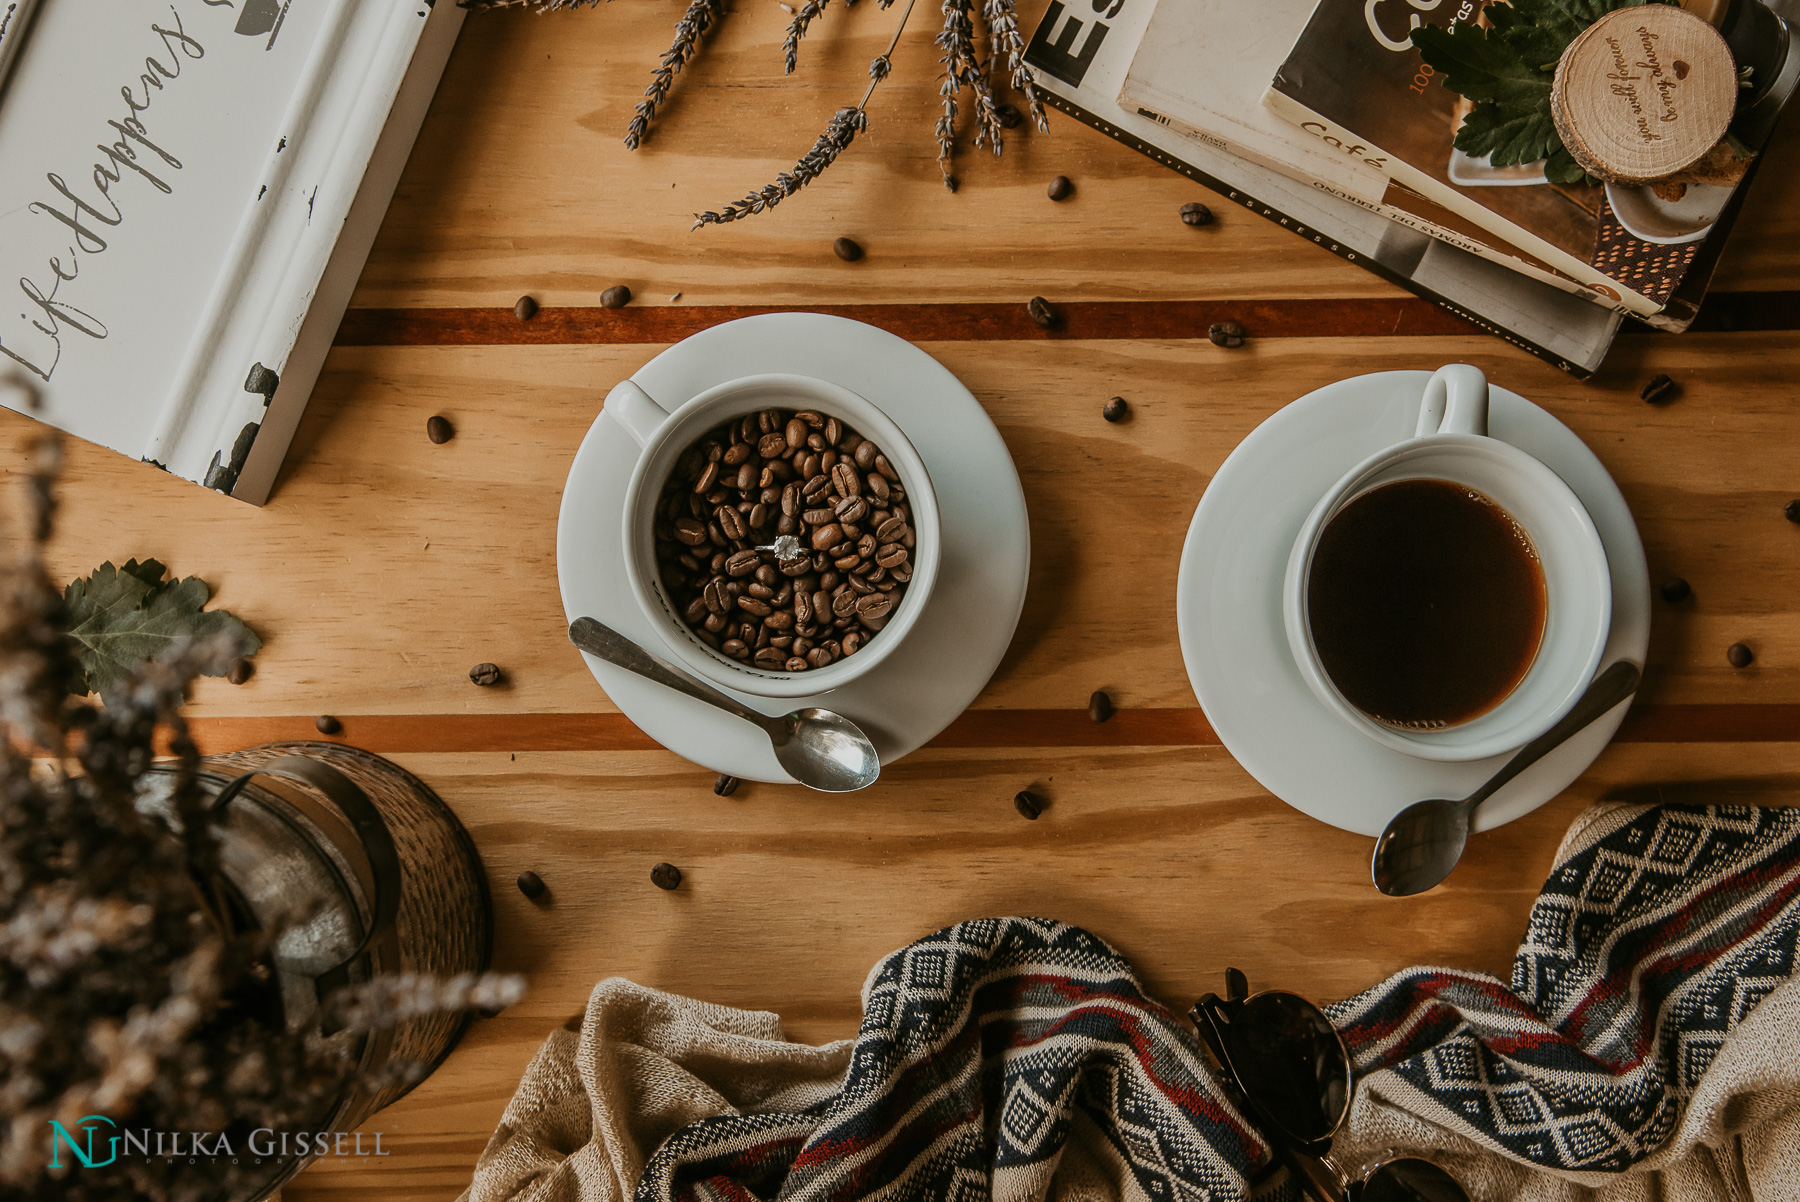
x: 1323, y: 116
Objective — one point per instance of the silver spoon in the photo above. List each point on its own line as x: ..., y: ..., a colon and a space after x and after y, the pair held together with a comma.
x: 1423, y: 843
x: 820, y: 749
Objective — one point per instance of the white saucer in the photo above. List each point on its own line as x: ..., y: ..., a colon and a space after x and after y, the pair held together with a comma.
x: 1228, y: 606
x: 948, y: 656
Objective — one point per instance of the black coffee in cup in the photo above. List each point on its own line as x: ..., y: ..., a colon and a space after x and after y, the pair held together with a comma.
x: 1426, y: 603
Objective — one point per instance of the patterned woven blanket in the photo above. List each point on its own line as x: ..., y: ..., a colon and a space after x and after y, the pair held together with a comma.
x: 983, y: 1047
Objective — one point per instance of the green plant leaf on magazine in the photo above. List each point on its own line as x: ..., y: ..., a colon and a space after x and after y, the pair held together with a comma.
x: 121, y: 618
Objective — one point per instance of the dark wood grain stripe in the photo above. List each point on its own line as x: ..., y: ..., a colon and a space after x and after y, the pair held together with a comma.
x: 977, y: 322
x: 444, y: 733
x: 916, y: 322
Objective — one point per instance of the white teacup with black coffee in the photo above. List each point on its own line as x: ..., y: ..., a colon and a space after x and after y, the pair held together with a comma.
x: 1449, y: 597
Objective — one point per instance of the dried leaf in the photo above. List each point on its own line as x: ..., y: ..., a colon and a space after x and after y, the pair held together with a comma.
x: 122, y: 618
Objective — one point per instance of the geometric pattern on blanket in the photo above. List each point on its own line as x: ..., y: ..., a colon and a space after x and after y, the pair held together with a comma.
x: 978, y: 1046
x: 1650, y: 942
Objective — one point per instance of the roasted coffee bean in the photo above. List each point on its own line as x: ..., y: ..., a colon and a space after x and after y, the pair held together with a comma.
x: 1100, y: 706
x: 765, y: 574
x: 834, y: 431
x: 1115, y: 410
x: 1659, y: 389
x: 852, y: 643
x: 827, y: 536
x: 751, y: 605
x: 1029, y: 804
x: 772, y: 446
x: 846, y: 250
x: 1739, y: 656
x: 865, y: 455
x: 878, y: 487
x: 847, y: 482
x: 709, y: 476
x: 748, y: 478
x: 486, y: 675
x: 851, y: 509
x: 759, y: 514
x: 736, y: 649
x: 732, y: 523
x: 1792, y: 510
x: 1195, y: 213
x: 816, y: 489
x: 717, y: 599
x: 714, y: 623
x: 616, y: 297
x: 1676, y: 590
x: 790, y: 500
x: 1043, y: 312
x: 1009, y: 116
x: 696, y: 609
x: 525, y: 308
x: 742, y: 563
x: 875, y: 606
x: 818, y: 657
x: 725, y: 786
x: 886, y: 469
x: 891, y: 556
x: 797, y: 663
x: 241, y: 670
x: 327, y: 725
x: 665, y: 876
x: 737, y: 453
x: 532, y: 885
x: 781, y: 620
x: 865, y: 545
x: 1226, y: 333
x: 819, y: 517
x: 1060, y: 188
x: 770, y: 657
x: 761, y: 592
x: 890, y: 531
x: 439, y: 430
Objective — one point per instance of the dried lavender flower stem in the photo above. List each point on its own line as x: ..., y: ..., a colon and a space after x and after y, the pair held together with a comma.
x: 790, y: 46
x: 701, y: 18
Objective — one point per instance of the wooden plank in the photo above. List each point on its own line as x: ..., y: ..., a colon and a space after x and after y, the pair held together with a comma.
x: 386, y: 566
x: 1174, y: 856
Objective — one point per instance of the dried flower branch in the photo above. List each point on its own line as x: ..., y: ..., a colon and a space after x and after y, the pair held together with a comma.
x: 790, y: 46
x: 701, y: 18
x: 1002, y: 18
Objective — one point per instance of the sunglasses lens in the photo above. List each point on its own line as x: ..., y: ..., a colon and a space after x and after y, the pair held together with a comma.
x: 1411, y: 1180
x: 1292, y: 1063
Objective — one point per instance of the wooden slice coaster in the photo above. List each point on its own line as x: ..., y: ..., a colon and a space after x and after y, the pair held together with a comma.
x: 1644, y: 92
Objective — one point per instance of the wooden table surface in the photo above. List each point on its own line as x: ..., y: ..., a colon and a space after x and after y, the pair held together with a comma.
x: 385, y: 566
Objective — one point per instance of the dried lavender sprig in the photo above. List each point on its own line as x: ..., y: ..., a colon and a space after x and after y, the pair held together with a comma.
x: 701, y: 18
x: 790, y: 46
x: 1002, y: 18
x: 840, y: 131
x: 543, y: 6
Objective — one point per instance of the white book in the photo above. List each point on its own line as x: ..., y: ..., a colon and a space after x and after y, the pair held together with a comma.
x: 190, y: 190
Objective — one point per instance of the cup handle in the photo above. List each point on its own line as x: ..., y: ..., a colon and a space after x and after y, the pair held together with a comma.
x: 635, y: 410
x: 1455, y: 402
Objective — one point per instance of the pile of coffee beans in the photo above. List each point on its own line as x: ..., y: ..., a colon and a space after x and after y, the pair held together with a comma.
x: 784, y: 473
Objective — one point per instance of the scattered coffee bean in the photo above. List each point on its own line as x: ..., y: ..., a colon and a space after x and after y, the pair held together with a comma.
x: 1739, y: 656
x: 1060, y: 188
x: 1010, y: 117
x: 846, y: 250
x: 525, y: 308
x: 532, y: 885
x: 241, y: 670
x: 725, y: 786
x: 1792, y: 510
x: 1195, y: 213
x: 1043, y: 312
x: 439, y: 430
x: 665, y: 876
x: 616, y: 297
x: 1659, y: 389
x: 1675, y: 590
x: 1115, y: 410
x: 1028, y: 803
x: 1226, y: 333
x: 1100, y: 706
x: 327, y: 725
x: 780, y: 472
x: 486, y: 675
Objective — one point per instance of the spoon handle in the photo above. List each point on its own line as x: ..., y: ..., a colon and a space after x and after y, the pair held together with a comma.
x: 1605, y: 691
x: 603, y: 641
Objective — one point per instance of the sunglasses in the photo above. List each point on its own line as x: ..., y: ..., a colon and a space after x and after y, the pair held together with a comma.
x: 1287, y: 1066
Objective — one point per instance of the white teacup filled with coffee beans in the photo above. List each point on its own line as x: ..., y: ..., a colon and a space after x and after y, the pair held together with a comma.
x: 781, y: 533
